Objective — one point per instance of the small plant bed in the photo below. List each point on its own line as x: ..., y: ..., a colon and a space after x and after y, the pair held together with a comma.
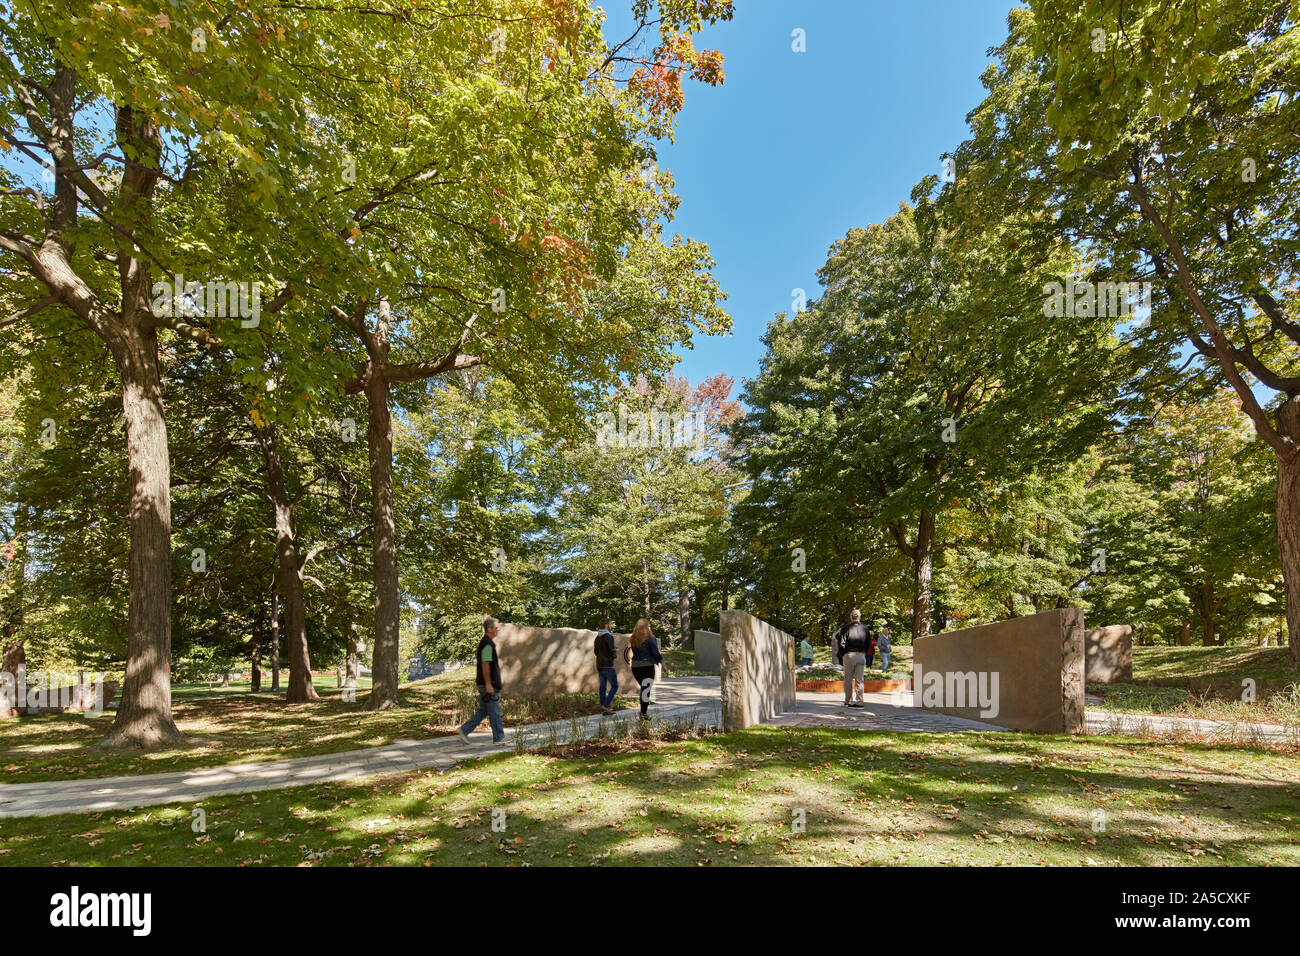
x: 819, y: 672
x: 868, y: 686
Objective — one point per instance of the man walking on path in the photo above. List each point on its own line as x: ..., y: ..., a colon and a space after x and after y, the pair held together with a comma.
x: 488, y: 680
x: 605, y: 669
x: 856, y: 643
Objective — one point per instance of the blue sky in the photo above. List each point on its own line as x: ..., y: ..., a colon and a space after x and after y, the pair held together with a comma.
x: 795, y: 148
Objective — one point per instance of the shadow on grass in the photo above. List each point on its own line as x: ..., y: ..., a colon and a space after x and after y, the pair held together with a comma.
x: 864, y: 797
x: 250, y: 727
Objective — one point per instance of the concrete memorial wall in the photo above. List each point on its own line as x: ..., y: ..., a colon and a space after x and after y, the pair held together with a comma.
x: 708, y: 651
x: 757, y: 666
x: 1026, y: 673
x: 536, y: 661
x: 1108, y: 654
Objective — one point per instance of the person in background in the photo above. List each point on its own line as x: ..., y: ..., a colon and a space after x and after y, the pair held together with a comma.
x: 605, y: 669
x: 643, y: 654
x: 488, y: 680
x: 856, y: 641
x: 805, y: 652
x: 883, y: 645
x: 871, y: 642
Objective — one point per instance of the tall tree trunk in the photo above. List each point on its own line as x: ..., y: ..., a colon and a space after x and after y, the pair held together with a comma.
x: 255, y: 672
x: 1287, y: 515
x: 645, y: 588
x: 1206, y: 612
x: 300, y: 688
x: 1185, y: 634
x: 1284, y: 439
x: 383, y: 668
x: 275, y: 642
x: 922, y: 571
x: 684, y: 612
x: 350, y: 662
x: 144, y: 716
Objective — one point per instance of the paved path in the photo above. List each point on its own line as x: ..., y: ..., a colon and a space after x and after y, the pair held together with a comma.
x: 678, y: 699
x: 891, y: 710
x: 895, y: 711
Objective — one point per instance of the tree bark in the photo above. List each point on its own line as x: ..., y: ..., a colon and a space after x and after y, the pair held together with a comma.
x: 1206, y: 611
x: 350, y: 662
x: 255, y: 672
x: 684, y: 613
x: 275, y: 643
x: 383, y: 692
x: 1185, y: 635
x: 144, y: 716
x: 1287, y: 514
x: 922, y: 571
x: 300, y: 688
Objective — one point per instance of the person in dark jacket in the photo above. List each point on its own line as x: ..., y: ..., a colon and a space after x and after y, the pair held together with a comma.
x: 643, y: 654
x: 856, y: 642
x: 605, y: 669
x: 871, y: 642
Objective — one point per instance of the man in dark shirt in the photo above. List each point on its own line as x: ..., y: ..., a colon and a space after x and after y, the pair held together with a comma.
x: 488, y: 679
x: 605, y: 669
x: 857, y: 642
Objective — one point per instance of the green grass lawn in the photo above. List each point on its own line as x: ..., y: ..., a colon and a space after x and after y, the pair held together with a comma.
x: 234, y: 728
x: 680, y: 662
x: 1207, y: 682
x: 1206, y: 666
x: 322, y: 682
x: 865, y: 797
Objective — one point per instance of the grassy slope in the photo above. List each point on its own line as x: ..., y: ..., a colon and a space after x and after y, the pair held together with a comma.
x: 233, y: 728
x: 1207, y: 682
x: 322, y: 682
x: 868, y: 798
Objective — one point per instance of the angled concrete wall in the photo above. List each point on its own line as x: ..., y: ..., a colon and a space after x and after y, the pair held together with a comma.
x: 757, y: 666
x: 1026, y: 673
x: 708, y: 651
x: 536, y: 661
x: 1108, y: 654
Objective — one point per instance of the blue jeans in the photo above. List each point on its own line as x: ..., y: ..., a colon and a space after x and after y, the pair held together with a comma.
x: 489, y: 706
x: 884, y: 660
x: 608, y: 685
x: 806, y: 661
